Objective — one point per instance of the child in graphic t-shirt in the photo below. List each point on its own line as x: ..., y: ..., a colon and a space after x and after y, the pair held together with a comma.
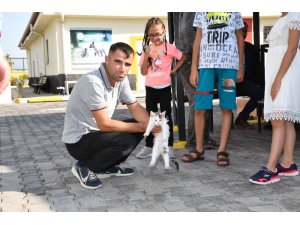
x: 217, y: 54
x: 156, y: 62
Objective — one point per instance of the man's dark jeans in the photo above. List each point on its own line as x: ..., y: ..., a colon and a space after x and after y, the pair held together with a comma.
x: 99, y: 151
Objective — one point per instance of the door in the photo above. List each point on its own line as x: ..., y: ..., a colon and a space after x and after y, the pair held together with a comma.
x: 136, y: 44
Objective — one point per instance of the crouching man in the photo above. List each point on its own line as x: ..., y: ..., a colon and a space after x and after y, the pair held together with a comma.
x: 99, y: 143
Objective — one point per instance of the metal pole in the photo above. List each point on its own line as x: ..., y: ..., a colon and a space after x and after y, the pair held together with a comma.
x: 173, y: 81
x: 261, y: 71
x: 177, y: 90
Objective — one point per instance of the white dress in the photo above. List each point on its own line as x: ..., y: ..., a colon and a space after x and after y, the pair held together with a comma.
x: 286, y: 105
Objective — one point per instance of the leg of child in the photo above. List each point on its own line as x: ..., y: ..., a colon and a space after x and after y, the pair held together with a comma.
x: 164, y: 99
x: 198, y: 154
x: 289, y: 145
x: 199, y: 128
x: 278, y: 139
x: 227, y: 95
x: 151, y: 105
x: 225, y: 129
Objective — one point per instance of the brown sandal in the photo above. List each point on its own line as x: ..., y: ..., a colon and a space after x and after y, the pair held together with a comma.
x: 210, y: 144
x: 223, y: 157
x: 191, y: 158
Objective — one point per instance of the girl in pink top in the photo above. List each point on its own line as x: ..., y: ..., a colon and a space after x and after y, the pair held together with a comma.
x: 156, y: 62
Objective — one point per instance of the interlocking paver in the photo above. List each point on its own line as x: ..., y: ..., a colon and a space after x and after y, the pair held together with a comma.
x: 35, y: 172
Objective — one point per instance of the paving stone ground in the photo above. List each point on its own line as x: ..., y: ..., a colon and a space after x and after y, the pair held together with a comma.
x: 35, y: 173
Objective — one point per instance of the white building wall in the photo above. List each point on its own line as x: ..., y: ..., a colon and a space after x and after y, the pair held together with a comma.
x: 56, y: 28
x: 37, y: 58
x: 122, y: 30
x: 50, y: 36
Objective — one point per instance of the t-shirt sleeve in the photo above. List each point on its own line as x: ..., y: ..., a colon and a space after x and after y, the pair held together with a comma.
x: 93, y: 95
x: 126, y: 94
x: 197, y: 20
x: 238, y: 21
x: 294, y: 22
x: 175, y: 52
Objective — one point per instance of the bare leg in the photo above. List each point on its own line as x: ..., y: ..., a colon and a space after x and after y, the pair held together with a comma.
x: 289, y: 144
x: 225, y: 129
x: 278, y: 140
x: 199, y: 129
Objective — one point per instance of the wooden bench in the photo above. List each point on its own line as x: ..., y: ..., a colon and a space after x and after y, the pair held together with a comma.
x: 42, y: 84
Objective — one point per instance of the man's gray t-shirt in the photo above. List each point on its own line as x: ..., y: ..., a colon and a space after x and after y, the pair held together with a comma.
x: 93, y: 92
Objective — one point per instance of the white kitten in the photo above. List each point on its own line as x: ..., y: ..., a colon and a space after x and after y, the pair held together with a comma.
x: 160, y: 146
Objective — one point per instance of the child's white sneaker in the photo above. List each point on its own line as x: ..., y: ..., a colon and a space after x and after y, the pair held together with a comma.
x: 172, y: 153
x: 144, y: 153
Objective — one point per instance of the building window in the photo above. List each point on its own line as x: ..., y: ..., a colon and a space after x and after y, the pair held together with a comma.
x: 47, y: 52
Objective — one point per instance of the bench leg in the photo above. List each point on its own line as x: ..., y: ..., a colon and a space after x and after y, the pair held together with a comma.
x: 259, y: 110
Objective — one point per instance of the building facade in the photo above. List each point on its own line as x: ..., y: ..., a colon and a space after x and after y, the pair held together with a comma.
x: 65, y: 46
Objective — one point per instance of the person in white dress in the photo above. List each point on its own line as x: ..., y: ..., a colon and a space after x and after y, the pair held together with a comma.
x: 282, y: 106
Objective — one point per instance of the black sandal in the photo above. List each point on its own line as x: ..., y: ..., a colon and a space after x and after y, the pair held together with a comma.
x: 191, y: 158
x: 210, y: 144
x: 223, y: 157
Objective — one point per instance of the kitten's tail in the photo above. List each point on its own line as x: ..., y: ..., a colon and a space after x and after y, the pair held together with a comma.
x: 176, y: 164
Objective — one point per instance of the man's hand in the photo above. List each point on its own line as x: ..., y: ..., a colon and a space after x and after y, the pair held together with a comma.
x: 275, y: 88
x: 156, y: 130
x: 194, y: 78
x: 240, y: 76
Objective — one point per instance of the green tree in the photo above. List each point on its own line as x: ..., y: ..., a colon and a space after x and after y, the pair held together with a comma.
x: 10, y: 62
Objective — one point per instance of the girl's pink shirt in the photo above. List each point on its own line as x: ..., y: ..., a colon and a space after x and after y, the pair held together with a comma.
x: 159, y: 71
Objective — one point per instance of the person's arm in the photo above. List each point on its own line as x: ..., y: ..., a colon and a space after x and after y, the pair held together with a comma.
x: 4, y: 74
x: 145, y: 65
x: 195, y: 58
x: 240, y: 45
x: 288, y: 58
x: 107, y: 124
x: 178, y: 64
x: 140, y: 114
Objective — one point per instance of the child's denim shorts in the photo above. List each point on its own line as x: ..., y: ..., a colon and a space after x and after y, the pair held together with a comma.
x: 226, y: 80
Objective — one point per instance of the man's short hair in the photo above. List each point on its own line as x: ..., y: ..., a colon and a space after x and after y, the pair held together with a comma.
x: 123, y: 47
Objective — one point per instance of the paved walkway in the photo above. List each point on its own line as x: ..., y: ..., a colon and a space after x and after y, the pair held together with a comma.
x: 35, y: 172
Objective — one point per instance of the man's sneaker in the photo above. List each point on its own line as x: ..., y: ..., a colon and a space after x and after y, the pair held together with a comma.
x: 144, y: 153
x: 172, y: 153
x: 117, y: 170
x: 289, y: 172
x: 243, y: 124
x: 86, y: 177
x: 264, y: 176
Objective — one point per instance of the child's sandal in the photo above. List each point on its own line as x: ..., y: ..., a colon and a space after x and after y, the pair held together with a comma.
x: 191, y: 158
x: 223, y: 159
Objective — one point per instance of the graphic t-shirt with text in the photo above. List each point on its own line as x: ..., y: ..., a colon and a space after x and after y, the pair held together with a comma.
x: 218, y: 47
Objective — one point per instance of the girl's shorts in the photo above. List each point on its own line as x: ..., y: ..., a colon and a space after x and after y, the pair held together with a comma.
x: 226, y: 88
